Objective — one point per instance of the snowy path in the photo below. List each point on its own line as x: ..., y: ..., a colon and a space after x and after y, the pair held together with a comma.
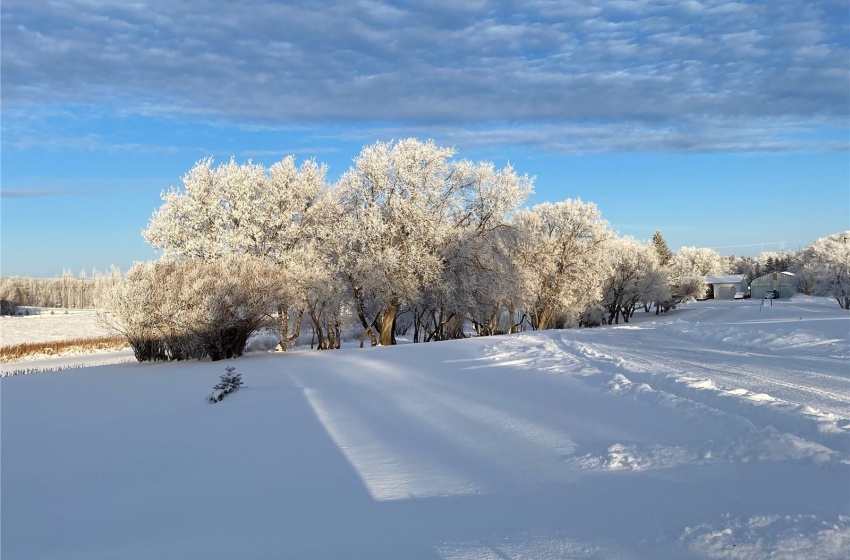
x: 764, y: 390
x: 773, y: 370
x: 539, y: 445
x: 791, y: 378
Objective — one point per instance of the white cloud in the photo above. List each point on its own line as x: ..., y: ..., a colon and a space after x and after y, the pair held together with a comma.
x: 652, y: 63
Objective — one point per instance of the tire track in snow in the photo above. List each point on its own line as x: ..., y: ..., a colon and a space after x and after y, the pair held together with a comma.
x: 744, y: 377
x: 698, y: 382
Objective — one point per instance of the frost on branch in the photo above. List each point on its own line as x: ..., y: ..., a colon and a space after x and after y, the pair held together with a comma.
x: 635, y: 277
x: 246, y: 210
x: 698, y: 261
x: 827, y: 263
x: 559, y: 249
x: 407, y: 232
x: 178, y: 310
x: 397, y: 204
x: 689, y: 268
x: 235, y: 208
x: 406, y: 210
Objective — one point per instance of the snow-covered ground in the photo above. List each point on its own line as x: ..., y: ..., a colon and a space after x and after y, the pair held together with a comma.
x: 721, y: 430
x: 51, y: 325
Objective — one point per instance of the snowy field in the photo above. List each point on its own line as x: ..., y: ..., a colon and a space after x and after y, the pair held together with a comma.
x: 51, y: 327
x: 721, y: 430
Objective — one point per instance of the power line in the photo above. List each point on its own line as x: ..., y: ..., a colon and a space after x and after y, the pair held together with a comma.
x: 780, y: 243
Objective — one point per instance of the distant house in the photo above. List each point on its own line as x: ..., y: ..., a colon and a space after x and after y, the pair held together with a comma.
x: 726, y: 286
x: 783, y: 282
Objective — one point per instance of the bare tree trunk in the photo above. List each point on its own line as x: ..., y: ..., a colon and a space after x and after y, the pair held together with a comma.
x: 440, y: 322
x: 283, y: 326
x: 318, y: 331
x: 543, y: 318
x: 332, y: 341
x: 388, y: 324
x: 361, y: 314
x: 283, y: 322
x: 416, y: 327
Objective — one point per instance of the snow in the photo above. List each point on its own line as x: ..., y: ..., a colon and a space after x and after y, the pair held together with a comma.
x: 50, y: 325
x: 718, y: 430
x: 725, y: 279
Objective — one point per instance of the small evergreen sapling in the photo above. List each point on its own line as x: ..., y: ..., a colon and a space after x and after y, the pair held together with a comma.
x: 229, y: 382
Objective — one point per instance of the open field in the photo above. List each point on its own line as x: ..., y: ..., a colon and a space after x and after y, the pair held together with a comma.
x: 53, y: 332
x: 51, y: 327
x: 69, y: 346
x: 721, y: 430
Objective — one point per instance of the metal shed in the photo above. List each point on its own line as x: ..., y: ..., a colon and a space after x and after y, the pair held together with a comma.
x: 783, y: 282
x: 725, y: 287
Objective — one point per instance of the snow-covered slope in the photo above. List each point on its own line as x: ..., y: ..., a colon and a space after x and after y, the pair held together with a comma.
x: 717, y: 431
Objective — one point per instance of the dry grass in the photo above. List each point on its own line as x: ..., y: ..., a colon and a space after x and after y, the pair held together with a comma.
x: 76, y: 345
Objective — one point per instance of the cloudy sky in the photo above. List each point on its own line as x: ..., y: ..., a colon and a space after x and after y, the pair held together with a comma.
x: 723, y: 124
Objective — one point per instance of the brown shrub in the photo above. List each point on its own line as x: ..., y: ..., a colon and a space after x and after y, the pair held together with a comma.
x: 18, y: 351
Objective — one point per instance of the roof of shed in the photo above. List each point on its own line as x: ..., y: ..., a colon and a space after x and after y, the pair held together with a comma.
x: 768, y: 278
x: 725, y: 279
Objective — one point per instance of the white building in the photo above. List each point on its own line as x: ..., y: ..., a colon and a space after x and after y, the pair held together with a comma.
x: 726, y: 286
x: 783, y: 282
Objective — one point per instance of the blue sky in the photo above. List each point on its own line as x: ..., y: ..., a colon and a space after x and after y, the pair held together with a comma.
x: 722, y: 124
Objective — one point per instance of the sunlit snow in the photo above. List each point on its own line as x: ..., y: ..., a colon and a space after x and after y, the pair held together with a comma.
x: 718, y: 430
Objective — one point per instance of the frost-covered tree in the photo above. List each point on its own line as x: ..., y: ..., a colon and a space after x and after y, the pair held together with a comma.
x: 326, y: 297
x: 744, y: 265
x: 67, y: 291
x: 236, y: 209
x: 397, y: 203
x: 559, y: 248
x: 490, y: 281
x: 828, y: 261
x: 634, y: 276
x: 403, y: 205
x: 689, y: 268
x: 656, y: 287
x: 187, y: 309
x: 481, y: 280
x: 686, y: 288
x: 242, y: 209
x: 698, y: 261
x: 806, y: 276
x: 772, y: 261
x: 490, y: 196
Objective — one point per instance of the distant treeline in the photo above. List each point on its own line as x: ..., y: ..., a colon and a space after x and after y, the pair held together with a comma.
x: 68, y: 291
